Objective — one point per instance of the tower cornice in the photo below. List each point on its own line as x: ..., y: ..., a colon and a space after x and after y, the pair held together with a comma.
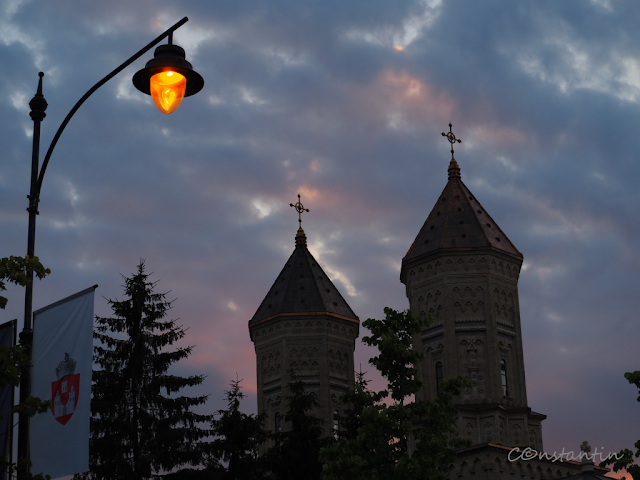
x: 408, y: 265
x: 252, y: 324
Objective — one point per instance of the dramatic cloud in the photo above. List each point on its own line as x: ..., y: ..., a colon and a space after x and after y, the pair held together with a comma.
x: 344, y: 103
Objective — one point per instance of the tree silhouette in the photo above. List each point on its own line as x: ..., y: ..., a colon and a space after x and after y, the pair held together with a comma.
x: 140, y: 426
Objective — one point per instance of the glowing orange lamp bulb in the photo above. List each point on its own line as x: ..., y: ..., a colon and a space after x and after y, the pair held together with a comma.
x: 168, y: 77
x: 167, y: 90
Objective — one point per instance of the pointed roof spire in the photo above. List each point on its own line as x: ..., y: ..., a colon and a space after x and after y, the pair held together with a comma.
x: 302, y: 288
x: 301, y: 238
x: 458, y: 222
x: 454, y: 169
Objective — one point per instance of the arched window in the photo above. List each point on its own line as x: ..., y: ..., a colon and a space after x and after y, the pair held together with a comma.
x: 503, y: 375
x: 278, y: 425
x: 439, y: 377
x: 336, y: 424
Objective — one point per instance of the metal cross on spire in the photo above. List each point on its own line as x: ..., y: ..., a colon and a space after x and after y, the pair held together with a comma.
x: 299, y: 208
x: 452, y: 139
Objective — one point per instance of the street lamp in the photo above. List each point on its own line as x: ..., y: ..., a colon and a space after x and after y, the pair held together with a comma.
x: 168, y: 77
x: 155, y: 80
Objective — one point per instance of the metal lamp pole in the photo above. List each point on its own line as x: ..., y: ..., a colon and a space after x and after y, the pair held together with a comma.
x: 38, y: 106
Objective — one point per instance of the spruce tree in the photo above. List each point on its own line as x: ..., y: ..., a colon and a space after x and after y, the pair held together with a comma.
x: 355, y: 400
x: 295, y: 455
x: 235, y: 451
x: 140, y: 426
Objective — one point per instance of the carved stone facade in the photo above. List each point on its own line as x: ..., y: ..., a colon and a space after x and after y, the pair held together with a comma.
x: 318, y: 348
x: 475, y: 298
x: 303, y: 325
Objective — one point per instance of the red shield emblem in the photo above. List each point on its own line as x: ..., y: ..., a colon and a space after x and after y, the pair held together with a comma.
x: 64, y: 397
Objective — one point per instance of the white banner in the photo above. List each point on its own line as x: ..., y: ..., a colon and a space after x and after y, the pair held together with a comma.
x: 62, y: 358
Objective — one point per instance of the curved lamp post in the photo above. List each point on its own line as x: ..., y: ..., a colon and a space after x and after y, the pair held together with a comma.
x: 168, y: 78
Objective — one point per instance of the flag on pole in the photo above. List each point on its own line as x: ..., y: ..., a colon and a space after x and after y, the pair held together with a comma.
x: 62, y: 357
x: 7, y: 339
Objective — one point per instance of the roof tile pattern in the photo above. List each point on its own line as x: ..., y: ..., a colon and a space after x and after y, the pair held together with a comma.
x: 459, y: 222
x: 302, y: 287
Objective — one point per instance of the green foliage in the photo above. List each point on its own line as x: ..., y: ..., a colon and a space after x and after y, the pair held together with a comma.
x: 295, y: 455
x: 393, y: 336
x: 16, y: 270
x: 32, y: 406
x: 137, y: 430
x: 21, y: 466
x: 355, y: 400
x: 239, y: 437
x: 634, y: 379
x: 14, y: 359
x: 376, y: 444
x: 193, y: 474
x: 433, y: 423
x: 626, y: 457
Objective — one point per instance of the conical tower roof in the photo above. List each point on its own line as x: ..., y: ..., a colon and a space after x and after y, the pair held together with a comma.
x: 458, y: 222
x: 302, y: 288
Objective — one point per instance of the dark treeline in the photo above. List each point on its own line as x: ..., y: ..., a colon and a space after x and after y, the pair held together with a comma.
x: 143, y: 427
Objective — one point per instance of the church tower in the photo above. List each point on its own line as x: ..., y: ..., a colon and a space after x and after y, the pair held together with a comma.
x: 463, y: 271
x: 305, y: 325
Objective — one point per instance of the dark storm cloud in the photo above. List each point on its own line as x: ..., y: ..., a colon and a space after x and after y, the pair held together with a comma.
x: 344, y: 103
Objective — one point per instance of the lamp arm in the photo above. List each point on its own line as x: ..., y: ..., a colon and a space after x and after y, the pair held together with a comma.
x: 75, y: 108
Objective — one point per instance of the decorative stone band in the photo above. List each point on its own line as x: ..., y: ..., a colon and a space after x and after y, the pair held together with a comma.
x: 304, y: 314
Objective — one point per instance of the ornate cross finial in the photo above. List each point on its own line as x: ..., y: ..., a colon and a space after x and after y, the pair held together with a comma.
x: 585, y: 447
x: 452, y: 139
x: 299, y: 208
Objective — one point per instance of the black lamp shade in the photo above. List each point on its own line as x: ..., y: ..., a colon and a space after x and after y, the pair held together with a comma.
x: 168, y: 58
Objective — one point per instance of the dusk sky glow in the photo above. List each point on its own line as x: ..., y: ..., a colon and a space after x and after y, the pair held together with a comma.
x: 344, y: 103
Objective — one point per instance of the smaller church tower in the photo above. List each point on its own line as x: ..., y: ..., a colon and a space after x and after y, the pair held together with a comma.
x: 305, y: 325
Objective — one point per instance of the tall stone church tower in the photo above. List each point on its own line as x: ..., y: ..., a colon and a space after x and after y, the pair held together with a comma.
x: 463, y: 271
x: 304, y: 325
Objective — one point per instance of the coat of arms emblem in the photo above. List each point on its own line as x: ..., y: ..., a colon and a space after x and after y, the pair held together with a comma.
x: 64, y: 391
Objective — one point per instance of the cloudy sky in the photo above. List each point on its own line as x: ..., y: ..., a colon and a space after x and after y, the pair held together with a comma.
x: 343, y: 102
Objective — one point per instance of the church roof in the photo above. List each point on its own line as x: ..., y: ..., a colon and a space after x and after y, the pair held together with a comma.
x: 587, y: 466
x: 589, y: 475
x: 458, y: 223
x: 302, y: 288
